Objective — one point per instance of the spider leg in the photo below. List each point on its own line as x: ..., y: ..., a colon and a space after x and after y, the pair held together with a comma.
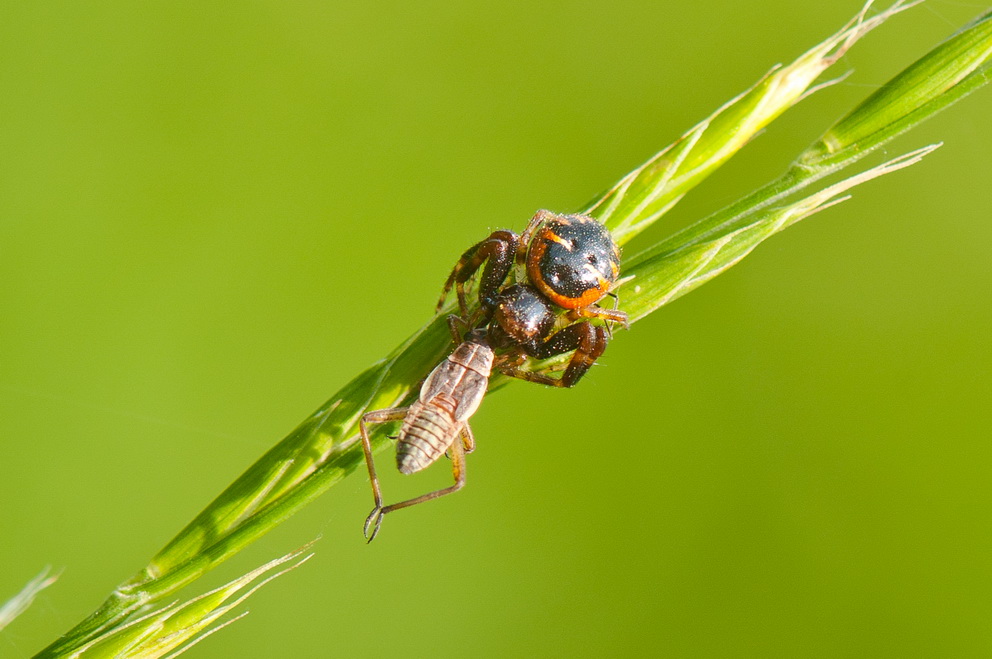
x: 587, y: 340
x: 496, y: 252
x: 510, y: 360
x: 540, y: 217
x: 454, y: 323
x: 616, y: 305
x: 613, y: 315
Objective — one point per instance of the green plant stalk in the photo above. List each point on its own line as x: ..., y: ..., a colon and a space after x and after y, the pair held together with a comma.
x: 936, y: 81
x: 177, y: 627
x: 316, y: 455
x: 644, y: 195
x: 324, y: 448
x: 661, y: 277
x: 20, y: 602
x: 891, y: 108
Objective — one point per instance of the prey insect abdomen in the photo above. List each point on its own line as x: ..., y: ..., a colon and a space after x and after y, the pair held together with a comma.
x: 437, y: 422
x: 427, y: 432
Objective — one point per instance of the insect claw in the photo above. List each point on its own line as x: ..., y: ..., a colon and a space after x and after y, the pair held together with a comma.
x: 376, y: 515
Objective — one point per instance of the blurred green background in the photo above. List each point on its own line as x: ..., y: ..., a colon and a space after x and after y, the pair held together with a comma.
x: 213, y: 215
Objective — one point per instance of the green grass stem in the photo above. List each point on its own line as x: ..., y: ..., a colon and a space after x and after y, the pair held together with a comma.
x: 324, y: 448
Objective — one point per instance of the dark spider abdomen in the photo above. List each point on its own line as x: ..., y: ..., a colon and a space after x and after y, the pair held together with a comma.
x: 573, y: 261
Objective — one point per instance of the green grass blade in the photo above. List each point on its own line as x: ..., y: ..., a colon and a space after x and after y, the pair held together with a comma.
x: 178, y: 626
x: 647, y: 193
x: 910, y: 97
x: 661, y: 276
x: 898, y: 106
x: 315, y: 456
x: 324, y: 448
x: 20, y: 602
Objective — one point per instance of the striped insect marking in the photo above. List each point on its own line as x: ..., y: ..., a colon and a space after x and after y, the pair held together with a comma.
x: 449, y: 397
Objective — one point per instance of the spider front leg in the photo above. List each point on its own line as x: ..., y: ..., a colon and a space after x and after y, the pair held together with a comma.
x: 593, y: 311
x: 587, y: 340
x: 458, y: 327
x: 540, y: 217
x: 497, y: 252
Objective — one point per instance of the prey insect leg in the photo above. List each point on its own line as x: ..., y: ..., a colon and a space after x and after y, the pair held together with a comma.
x: 379, y: 416
x: 468, y: 439
x: 457, y: 469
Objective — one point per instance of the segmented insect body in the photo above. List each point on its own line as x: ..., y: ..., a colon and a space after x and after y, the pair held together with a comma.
x: 450, y: 395
x: 436, y: 423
